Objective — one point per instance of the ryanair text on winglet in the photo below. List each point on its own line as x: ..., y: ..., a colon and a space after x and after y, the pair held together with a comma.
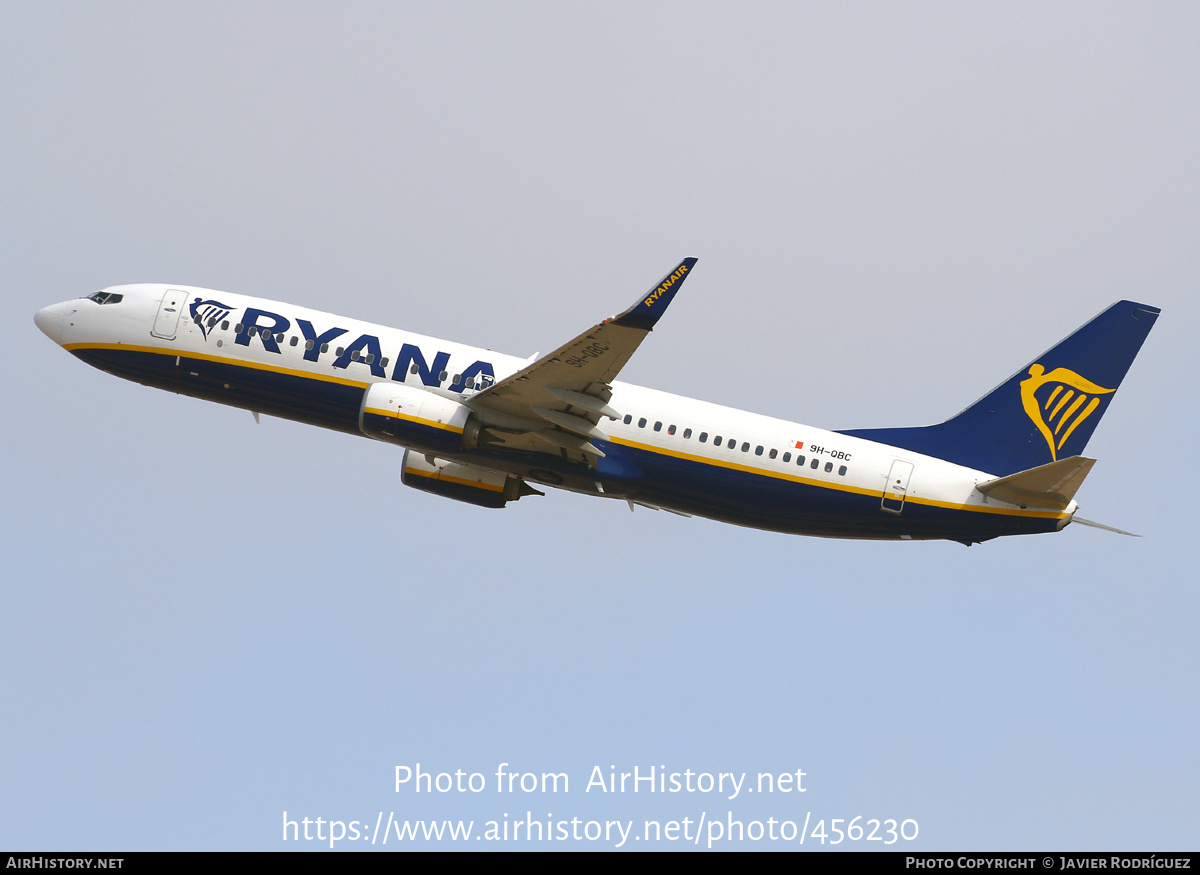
x: 667, y: 283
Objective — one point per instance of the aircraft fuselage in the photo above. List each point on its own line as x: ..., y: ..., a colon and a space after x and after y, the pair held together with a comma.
x: 662, y: 450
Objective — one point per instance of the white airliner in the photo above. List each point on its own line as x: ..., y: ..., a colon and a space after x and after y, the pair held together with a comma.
x: 479, y: 427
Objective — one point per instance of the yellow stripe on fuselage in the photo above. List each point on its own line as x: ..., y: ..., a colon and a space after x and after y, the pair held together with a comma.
x: 219, y: 359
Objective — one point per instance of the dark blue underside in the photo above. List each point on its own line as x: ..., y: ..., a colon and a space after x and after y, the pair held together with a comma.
x: 683, y: 485
x: 316, y: 402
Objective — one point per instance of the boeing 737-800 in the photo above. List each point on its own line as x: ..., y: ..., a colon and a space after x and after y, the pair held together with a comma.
x: 481, y: 427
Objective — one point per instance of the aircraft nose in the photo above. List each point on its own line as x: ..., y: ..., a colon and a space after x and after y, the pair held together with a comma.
x: 49, y: 320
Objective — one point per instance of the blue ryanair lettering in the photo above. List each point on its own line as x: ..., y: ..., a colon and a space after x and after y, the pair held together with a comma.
x: 306, y: 328
x: 410, y: 355
x: 470, y: 377
x: 267, y: 333
x: 367, y: 347
x: 479, y: 375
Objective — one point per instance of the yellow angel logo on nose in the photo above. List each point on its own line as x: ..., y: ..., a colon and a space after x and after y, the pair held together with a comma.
x: 1071, y: 393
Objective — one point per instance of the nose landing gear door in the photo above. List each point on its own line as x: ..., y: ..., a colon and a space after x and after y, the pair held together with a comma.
x: 896, y: 489
x: 169, y: 311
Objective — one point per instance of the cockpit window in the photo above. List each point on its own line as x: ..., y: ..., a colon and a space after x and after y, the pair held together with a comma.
x: 105, y: 298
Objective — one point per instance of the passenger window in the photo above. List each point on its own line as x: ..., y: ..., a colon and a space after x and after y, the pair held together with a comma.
x: 687, y: 433
x: 816, y: 463
x: 212, y: 322
x: 828, y: 467
x: 442, y: 377
x: 371, y: 360
x: 787, y: 457
x: 746, y: 447
x: 628, y: 419
x: 252, y: 331
x: 413, y: 370
x: 717, y: 441
x: 658, y: 426
x: 800, y: 461
x: 670, y: 429
x: 703, y: 436
x: 340, y: 350
x: 324, y: 347
x: 642, y: 422
x: 225, y: 325
x: 842, y: 471
x: 295, y: 340
x: 354, y: 356
x: 237, y: 329
x: 731, y: 443
x: 383, y: 362
x: 758, y: 451
x: 279, y: 338
x: 774, y: 453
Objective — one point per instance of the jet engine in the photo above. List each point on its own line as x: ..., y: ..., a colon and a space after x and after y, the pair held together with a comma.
x: 417, y: 418
x: 462, y: 482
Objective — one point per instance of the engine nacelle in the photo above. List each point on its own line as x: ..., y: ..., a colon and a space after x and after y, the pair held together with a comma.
x: 462, y: 482
x: 417, y: 418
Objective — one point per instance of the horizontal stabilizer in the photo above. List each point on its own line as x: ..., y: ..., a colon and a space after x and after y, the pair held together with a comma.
x: 1051, y: 486
x: 1096, y: 525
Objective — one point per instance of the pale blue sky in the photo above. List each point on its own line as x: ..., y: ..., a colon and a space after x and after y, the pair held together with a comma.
x: 207, y: 623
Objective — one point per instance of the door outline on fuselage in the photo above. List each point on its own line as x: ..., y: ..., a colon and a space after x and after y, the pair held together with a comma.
x: 896, y: 488
x: 166, y: 323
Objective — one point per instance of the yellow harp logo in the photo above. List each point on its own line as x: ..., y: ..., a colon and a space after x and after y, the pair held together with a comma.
x: 1072, y: 400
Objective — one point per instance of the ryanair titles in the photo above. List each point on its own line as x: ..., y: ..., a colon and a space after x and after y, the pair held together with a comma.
x: 666, y: 285
x: 269, y: 328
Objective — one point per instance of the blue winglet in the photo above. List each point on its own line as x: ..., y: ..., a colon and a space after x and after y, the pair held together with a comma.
x: 653, y: 304
x: 1044, y: 412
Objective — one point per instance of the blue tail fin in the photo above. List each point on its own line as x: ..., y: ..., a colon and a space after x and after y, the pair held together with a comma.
x: 1044, y: 412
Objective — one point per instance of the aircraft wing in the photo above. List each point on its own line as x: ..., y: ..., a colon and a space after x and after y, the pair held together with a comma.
x: 556, y: 403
